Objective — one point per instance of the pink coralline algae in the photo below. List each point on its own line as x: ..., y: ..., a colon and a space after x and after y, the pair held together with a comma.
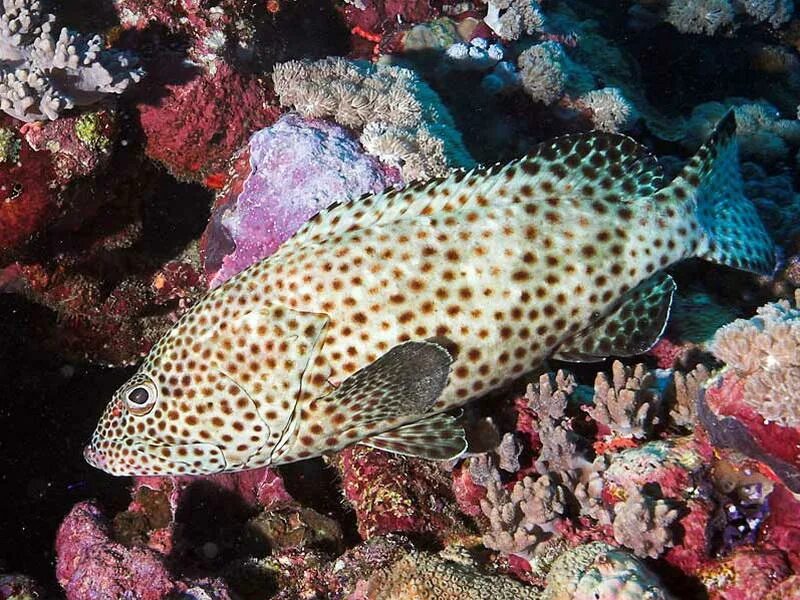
x: 91, y: 565
x: 296, y: 167
x: 28, y: 201
x: 199, y: 124
x: 392, y: 493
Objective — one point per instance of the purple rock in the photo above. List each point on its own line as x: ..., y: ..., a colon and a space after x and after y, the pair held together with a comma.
x: 297, y: 167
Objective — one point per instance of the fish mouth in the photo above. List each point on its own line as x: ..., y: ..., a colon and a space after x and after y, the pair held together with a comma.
x: 122, y: 458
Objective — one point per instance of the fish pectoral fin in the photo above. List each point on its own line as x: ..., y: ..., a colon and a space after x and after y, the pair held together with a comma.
x: 632, y: 327
x: 438, y: 437
x: 407, y: 380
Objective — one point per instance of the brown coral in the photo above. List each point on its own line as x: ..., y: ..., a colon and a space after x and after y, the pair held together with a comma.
x: 644, y: 524
x: 682, y: 396
x: 548, y: 399
x: 522, y: 519
x: 628, y: 405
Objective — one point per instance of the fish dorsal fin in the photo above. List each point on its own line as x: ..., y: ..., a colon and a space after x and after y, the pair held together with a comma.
x: 594, y: 164
x: 265, y: 352
x: 439, y: 437
x: 632, y: 326
x: 603, y: 165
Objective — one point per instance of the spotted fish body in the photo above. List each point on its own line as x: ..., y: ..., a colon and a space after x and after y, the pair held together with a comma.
x: 385, y: 312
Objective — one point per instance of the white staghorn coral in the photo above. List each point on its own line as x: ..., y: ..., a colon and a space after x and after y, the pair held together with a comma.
x: 402, y: 120
x: 41, y: 75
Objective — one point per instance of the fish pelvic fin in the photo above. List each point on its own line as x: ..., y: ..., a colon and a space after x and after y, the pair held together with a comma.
x: 709, y: 192
x: 438, y: 437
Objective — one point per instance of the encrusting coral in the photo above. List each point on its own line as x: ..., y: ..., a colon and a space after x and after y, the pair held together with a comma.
x: 599, y: 570
x: 401, y: 119
x: 42, y: 75
x: 765, y: 352
x: 421, y: 576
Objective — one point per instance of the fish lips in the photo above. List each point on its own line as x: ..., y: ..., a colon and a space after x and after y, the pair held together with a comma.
x: 147, y: 458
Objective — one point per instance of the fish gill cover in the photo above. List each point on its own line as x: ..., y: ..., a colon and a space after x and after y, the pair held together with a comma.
x: 414, y: 299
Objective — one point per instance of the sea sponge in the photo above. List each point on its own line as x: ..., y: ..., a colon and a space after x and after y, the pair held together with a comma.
x: 765, y: 352
x: 401, y: 118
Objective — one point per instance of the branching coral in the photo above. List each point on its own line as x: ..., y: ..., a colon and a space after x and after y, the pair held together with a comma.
x: 644, y: 524
x: 402, y: 120
x: 682, y: 396
x: 627, y: 404
x: 765, y: 351
x: 548, y: 400
x: 522, y: 519
x: 42, y: 75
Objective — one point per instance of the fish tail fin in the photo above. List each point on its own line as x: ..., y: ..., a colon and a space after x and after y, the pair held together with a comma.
x: 709, y: 189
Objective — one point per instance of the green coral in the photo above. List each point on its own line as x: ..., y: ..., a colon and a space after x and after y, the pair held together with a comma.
x: 89, y: 129
x: 9, y: 145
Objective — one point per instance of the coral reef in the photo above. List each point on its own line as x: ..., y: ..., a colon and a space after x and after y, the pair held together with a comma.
x: 628, y: 405
x: 118, y: 211
x: 42, y: 75
x: 402, y: 122
x: 391, y: 493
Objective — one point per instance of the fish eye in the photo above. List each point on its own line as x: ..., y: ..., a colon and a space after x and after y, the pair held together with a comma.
x: 140, y: 397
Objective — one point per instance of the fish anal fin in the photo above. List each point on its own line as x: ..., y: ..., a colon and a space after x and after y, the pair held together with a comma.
x: 634, y: 324
x: 438, y: 437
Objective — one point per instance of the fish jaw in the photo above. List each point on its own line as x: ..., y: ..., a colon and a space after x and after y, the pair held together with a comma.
x: 128, y: 458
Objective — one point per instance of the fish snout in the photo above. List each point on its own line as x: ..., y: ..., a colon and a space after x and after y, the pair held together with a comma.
x: 94, y: 457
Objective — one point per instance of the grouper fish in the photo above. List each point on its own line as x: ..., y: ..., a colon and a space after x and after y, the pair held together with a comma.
x: 385, y: 312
